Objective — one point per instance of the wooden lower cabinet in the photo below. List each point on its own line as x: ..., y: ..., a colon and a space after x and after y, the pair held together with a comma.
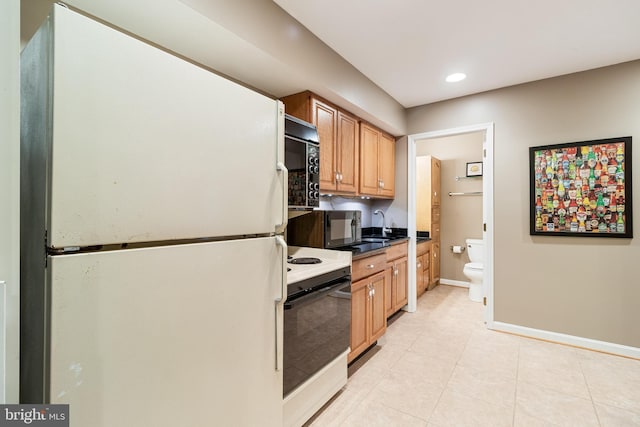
x: 435, y: 265
x: 423, y: 267
x: 368, y: 314
x: 396, y: 295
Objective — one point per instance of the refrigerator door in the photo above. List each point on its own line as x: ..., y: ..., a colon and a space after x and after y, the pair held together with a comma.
x: 149, y: 147
x: 170, y: 336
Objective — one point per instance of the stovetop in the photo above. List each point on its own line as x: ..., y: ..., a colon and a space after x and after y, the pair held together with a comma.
x: 330, y: 260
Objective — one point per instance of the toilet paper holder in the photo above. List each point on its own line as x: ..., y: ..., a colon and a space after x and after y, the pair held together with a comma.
x: 457, y: 249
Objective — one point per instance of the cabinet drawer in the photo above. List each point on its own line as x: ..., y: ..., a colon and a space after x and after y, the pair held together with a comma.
x: 435, y: 232
x: 367, y: 266
x: 422, y: 248
x: 435, y: 214
x: 397, y: 251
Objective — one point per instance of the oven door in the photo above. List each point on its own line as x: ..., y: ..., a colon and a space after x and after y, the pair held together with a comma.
x: 317, y: 328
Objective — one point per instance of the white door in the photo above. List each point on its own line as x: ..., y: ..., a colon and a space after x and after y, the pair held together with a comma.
x: 169, y: 336
x: 149, y: 147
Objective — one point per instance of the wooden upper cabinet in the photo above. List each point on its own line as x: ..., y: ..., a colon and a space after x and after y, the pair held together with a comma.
x: 377, y: 162
x: 339, y: 141
x: 435, y: 181
x: 325, y: 118
x: 356, y: 158
x: 368, y: 160
x: 387, y: 165
x: 428, y: 194
x: 347, y: 149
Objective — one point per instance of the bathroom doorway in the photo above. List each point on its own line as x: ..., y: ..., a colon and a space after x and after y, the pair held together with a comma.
x: 484, y: 133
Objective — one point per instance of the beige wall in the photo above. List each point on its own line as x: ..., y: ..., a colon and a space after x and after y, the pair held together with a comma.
x: 461, y: 216
x: 586, y: 287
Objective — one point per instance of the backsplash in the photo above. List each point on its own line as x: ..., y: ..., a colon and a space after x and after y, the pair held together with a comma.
x: 377, y: 231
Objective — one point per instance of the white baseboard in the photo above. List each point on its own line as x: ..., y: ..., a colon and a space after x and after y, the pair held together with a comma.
x: 603, y: 346
x: 450, y: 282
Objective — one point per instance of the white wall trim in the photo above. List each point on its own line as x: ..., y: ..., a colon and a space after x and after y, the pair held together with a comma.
x: 603, y: 346
x: 487, y: 209
x: 459, y: 283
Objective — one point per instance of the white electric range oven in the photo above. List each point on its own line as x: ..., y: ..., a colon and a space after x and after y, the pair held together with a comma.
x: 317, y: 328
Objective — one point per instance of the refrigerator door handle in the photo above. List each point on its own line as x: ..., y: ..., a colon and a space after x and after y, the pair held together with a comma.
x: 279, y: 309
x: 285, y: 199
x: 280, y: 167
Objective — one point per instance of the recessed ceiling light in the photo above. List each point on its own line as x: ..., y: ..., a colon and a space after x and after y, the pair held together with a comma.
x: 456, y: 77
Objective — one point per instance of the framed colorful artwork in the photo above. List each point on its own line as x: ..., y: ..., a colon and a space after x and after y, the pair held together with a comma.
x: 581, y: 189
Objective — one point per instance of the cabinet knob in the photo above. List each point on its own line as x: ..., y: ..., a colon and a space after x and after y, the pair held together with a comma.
x: 370, y: 266
x: 419, y: 265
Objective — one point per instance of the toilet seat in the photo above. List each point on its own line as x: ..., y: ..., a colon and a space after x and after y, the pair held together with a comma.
x: 473, y: 265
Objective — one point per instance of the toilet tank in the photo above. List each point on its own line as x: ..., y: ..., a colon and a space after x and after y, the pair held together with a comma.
x: 474, y: 249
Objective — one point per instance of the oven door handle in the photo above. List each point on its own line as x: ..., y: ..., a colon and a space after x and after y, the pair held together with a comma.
x: 312, y: 296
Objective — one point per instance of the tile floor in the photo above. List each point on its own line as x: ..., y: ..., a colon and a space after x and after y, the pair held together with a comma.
x: 441, y: 367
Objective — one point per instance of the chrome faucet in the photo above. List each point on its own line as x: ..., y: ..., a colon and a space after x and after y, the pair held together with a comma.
x: 385, y: 229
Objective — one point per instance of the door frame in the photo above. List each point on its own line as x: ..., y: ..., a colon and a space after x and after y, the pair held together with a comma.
x: 487, y: 209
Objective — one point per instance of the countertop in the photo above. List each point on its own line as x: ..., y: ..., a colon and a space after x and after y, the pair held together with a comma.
x: 363, y: 250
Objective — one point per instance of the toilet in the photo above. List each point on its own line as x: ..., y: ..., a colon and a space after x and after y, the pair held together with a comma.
x: 473, y: 270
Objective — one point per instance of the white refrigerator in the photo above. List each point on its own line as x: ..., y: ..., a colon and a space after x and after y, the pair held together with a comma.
x: 153, y: 266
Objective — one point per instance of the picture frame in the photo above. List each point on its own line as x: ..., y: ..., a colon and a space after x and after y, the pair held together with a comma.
x: 474, y: 169
x: 581, y: 189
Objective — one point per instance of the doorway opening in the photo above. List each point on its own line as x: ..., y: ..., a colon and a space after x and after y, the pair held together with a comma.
x: 487, y: 132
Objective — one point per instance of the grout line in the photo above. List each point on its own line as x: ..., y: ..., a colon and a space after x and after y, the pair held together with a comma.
x: 515, y: 392
x: 593, y: 403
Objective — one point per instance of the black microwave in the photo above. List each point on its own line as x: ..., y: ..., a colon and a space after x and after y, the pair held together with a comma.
x: 302, y: 159
x: 325, y: 229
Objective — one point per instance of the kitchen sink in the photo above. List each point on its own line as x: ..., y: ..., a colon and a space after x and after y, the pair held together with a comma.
x: 375, y: 239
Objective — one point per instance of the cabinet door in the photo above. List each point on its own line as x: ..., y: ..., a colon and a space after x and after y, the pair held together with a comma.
x: 435, y: 182
x: 435, y: 265
x: 400, y: 285
x: 368, y: 160
x: 325, y: 118
x: 378, y: 312
x: 347, y: 153
x: 419, y: 275
x: 389, y: 293
x: 423, y: 193
x: 386, y: 165
x: 359, y: 318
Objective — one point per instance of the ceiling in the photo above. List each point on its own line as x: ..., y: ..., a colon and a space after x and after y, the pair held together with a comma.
x: 408, y: 47
x: 375, y: 58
